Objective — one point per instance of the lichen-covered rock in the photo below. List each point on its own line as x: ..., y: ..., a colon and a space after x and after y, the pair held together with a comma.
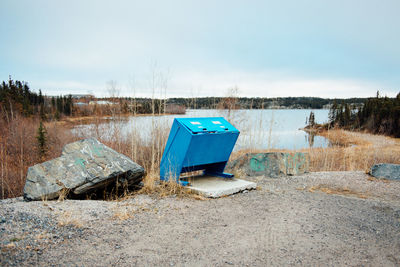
x: 386, y: 170
x: 272, y: 164
x: 84, y: 165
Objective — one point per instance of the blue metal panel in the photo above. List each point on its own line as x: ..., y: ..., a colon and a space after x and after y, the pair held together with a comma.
x: 202, y: 125
x: 210, y: 148
x: 198, y: 144
x: 174, y: 152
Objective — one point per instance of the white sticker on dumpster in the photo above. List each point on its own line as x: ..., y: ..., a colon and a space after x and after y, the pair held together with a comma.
x: 216, y: 122
x: 195, y: 122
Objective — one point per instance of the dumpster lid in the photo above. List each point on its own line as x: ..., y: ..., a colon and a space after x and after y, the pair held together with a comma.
x: 211, y: 124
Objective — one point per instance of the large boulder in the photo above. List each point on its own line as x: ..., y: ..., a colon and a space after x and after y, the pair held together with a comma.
x: 272, y: 164
x: 83, y: 166
x: 386, y: 170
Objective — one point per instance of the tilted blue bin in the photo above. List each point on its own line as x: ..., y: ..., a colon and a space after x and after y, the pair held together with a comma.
x: 198, y: 144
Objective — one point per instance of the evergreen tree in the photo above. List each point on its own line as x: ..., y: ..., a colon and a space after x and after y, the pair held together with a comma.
x: 377, y: 115
x: 42, y: 140
x: 346, y: 115
x: 332, y: 112
x: 311, y: 119
x: 42, y: 112
x: 57, y: 115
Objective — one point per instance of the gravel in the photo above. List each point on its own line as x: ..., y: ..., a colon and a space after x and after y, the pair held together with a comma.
x: 326, y: 218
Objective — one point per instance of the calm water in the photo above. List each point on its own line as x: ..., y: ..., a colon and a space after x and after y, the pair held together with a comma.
x: 260, y: 129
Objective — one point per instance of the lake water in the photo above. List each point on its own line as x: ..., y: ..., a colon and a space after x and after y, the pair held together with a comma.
x: 259, y: 129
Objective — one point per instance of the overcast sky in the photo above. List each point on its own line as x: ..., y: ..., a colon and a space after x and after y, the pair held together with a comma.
x: 341, y: 48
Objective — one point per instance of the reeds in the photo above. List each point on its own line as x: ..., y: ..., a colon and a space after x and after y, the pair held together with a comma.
x: 354, y: 151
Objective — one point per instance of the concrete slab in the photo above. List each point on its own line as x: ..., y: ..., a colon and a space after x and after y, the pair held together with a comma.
x: 214, y: 187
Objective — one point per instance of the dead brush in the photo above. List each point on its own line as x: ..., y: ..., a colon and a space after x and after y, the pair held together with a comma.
x: 19, y: 150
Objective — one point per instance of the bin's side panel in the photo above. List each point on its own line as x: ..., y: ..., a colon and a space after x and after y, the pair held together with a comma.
x: 210, y: 148
x: 174, y: 152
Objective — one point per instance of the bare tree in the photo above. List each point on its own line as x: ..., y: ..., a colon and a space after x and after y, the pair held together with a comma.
x: 113, y: 91
x: 230, y: 102
x: 158, y: 83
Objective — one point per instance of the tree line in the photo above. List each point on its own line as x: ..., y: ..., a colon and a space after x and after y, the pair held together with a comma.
x: 16, y: 98
x: 379, y: 115
x: 261, y: 102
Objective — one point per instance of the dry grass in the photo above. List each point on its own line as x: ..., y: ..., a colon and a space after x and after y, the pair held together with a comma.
x: 63, y: 194
x: 67, y: 219
x: 43, y: 235
x: 383, y: 180
x: 128, y: 211
x: 351, y: 151
x: 123, y: 213
x: 339, y: 137
x: 9, y: 246
x: 153, y: 186
x: 337, y: 191
x: 348, y: 151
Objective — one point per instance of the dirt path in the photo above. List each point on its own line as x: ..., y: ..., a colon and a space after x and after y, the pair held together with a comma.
x: 326, y: 218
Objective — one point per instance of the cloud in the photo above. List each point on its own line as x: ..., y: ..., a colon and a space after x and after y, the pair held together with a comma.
x: 201, y: 84
x: 62, y: 87
x: 77, y: 46
x: 270, y: 84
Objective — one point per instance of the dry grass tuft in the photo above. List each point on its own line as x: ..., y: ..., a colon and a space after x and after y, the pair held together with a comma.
x: 63, y: 194
x: 383, y: 180
x: 10, y: 246
x: 123, y: 214
x: 153, y: 186
x: 43, y: 235
x: 337, y: 191
x: 67, y: 219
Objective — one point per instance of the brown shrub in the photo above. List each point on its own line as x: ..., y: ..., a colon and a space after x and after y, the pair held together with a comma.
x: 19, y: 151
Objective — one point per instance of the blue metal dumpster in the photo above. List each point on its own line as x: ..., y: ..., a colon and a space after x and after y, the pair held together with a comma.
x: 198, y: 144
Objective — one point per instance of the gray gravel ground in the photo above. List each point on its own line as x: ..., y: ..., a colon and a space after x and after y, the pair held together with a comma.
x: 281, y: 223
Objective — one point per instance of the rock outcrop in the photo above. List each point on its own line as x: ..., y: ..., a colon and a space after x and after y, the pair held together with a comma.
x: 83, y: 166
x: 386, y: 170
x: 272, y: 164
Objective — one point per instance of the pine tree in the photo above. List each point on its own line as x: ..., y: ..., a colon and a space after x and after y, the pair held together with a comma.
x: 41, y: 112
x: 333, y: 112
x: 311, y: 119
x: 57, y: 115
x: 346, y: 115
x: 42, y: 140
